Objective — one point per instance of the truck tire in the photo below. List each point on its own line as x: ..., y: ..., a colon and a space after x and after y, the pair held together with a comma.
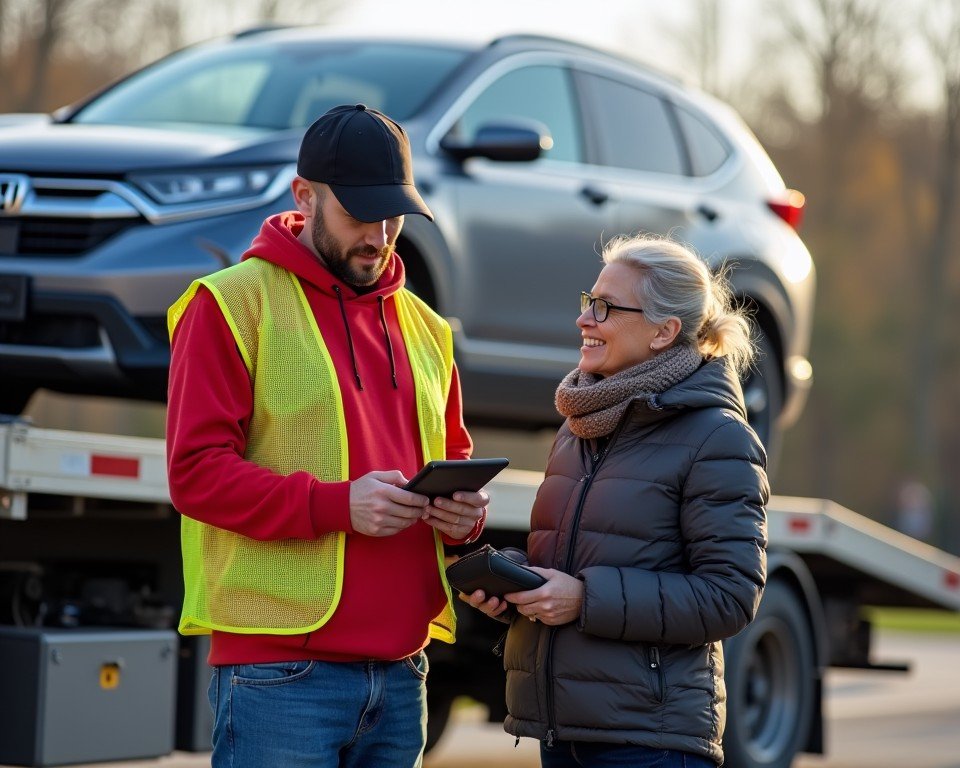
x: 770, y: 676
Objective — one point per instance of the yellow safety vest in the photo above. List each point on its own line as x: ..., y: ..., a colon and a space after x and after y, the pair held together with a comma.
x: 237, y: 584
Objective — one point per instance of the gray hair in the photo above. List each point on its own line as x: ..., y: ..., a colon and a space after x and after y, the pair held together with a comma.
x: 675, y: 282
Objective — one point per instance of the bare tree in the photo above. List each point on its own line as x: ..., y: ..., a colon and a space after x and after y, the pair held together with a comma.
x: 697, y: 40
x: 50, y: 23
x: 269, y: 10
x: 4, y: 81
x: 106, y: 38
x: 237, y: 16
x: 702, y: 44
x: 852, y: 49
x: 166, y: 25
x: 297, y: 11
x: 847, y: 53
x: 104, y: 31
x: 941, y: 32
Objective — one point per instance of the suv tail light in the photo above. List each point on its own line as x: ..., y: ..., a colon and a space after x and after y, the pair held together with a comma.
x: 789, y: 207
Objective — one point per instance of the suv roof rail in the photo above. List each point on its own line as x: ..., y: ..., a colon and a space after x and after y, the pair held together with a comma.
x: 259, y: 30
x: 519, y: 37
x: 533, y: 36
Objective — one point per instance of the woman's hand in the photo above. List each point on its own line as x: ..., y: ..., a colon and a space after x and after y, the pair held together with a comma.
x: 492, y: 607
x: 556, y: 602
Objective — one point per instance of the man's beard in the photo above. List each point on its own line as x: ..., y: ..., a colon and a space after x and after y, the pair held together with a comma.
x: 338, y: 262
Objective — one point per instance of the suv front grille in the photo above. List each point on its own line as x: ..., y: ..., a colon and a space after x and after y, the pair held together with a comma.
x: 41, y: 236
x: 156, y: 326
x: 71, y: 331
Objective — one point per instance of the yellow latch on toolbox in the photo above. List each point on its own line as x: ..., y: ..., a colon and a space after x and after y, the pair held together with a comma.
x: 109, y: 676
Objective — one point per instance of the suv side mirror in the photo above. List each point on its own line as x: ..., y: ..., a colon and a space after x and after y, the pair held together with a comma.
x: 503, y: 141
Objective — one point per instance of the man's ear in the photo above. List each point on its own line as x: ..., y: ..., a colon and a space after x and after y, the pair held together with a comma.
x: 304, y: 195
x: 666, y: 334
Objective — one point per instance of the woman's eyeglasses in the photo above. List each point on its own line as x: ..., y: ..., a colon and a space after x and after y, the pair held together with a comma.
x: 601, y: 307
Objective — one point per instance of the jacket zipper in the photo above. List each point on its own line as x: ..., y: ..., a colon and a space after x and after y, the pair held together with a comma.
x: 656, y: 667
x: 587, y: 480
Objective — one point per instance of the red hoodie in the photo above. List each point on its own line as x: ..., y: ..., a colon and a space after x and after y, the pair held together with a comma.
x: 391, y: 587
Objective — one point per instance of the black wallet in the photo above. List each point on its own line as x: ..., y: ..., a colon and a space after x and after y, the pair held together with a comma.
x: 493, y: 572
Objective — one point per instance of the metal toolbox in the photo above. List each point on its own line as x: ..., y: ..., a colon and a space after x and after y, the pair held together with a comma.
x: 86, y: 695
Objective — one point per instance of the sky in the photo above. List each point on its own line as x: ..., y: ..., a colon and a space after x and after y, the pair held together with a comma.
x: 477, y: 20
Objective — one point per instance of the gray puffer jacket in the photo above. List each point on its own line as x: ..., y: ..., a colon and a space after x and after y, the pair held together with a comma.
x: 666, y: 527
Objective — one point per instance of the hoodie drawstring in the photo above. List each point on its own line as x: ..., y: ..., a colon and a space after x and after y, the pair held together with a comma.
x: 386, y: 335
x: 346, y: 325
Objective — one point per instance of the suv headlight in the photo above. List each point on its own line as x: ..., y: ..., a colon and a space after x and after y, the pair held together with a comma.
x: 185, y: 187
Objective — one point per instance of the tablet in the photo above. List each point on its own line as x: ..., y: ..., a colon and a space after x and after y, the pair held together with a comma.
x: 444, y: 478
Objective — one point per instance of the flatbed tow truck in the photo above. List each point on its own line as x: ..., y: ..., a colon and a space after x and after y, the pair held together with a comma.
x: 90, y: 585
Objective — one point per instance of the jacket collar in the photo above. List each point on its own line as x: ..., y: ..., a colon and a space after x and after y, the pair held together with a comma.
x: 713, y: 385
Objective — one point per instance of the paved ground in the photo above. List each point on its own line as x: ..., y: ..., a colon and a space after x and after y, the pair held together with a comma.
x: 881, y: 720
x: 876, y: 720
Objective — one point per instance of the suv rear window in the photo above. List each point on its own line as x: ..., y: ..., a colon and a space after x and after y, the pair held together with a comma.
x: 274, y: 86
x: 707, y: 150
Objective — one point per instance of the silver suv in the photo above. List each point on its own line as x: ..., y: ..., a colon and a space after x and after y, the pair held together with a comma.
x: 530, y: 151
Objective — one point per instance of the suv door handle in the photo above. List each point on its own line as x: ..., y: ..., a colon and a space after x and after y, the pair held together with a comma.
x: 595, y: 195
x: 710, y: 214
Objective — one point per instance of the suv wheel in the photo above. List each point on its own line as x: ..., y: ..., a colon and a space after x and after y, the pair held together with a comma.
x: 763, y: 394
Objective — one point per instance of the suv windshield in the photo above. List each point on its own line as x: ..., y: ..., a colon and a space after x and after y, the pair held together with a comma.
x: 273, y: 86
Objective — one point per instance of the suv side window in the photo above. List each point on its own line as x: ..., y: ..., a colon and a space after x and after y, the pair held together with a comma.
x: 634, y: 129
x: 707, y: 150
x: 541, y: 93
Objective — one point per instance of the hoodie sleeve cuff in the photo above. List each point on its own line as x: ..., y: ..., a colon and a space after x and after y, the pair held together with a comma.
x: 330, y: 508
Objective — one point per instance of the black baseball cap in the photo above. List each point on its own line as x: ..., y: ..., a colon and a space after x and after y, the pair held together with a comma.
x: 364, y: 157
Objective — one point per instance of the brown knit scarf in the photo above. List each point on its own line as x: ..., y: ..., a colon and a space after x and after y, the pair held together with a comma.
x: 594, y: 404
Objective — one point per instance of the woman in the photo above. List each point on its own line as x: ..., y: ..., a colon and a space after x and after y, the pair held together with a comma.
x: 649, y: 525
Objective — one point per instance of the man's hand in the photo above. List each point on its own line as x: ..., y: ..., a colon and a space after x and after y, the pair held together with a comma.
x: 380, y: 507
x: 456, y: 517
x: 556, y: 602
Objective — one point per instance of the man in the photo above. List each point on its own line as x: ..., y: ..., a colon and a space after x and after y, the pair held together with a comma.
x: 306, y: 386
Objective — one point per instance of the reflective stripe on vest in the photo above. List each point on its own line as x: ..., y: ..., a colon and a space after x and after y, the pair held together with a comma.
x: 237, y: 584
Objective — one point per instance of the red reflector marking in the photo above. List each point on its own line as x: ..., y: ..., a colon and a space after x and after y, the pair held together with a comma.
x: 951, y: 579
x: 115, y: 466
x: 799, y: 525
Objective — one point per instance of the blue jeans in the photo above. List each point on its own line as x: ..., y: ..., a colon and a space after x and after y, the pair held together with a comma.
x: 595, y: 754
x: 318, y: 714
